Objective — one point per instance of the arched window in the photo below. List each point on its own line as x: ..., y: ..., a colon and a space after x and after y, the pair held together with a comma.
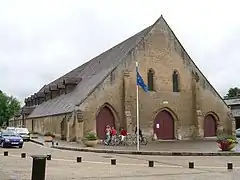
x: 150, y: 80
x: 175, y: 81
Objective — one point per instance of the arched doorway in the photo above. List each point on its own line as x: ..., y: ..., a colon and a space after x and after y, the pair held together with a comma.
x: 105, y: 117
x: 164, y: 125
x: 210, y: 126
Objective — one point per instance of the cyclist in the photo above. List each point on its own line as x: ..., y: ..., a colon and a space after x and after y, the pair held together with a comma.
x: 123, y: 134
x: 140, y: 134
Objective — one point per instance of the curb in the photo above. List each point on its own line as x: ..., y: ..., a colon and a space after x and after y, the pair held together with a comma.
x: 153, y: 153
x: 37, y: 142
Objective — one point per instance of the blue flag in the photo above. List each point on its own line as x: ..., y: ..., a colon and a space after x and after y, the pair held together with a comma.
x: 140, y: 81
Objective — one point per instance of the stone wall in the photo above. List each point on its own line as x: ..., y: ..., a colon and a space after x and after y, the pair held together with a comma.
x: 162, y: 52
x: 46, y: 124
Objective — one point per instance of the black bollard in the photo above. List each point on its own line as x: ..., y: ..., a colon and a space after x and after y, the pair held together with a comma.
x: 38, y: 167
x: 23, y: 155
x: 49, y: 157
x: 79, y: 159
x: 150, y: 163
x: 113, y: 162
x: 5, y: 153
x: 191, y: 165
x: 229, y: 166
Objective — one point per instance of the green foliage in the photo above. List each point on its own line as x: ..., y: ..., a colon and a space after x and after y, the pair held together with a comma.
x: 224, y: 137
x: 9, y: 106
x: 233, y: 93
x: 226, y: 142
x: 90, y: 136
x: 49, y: 134
x: 33, y: 132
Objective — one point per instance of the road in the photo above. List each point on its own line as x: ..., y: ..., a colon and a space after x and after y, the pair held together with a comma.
x: 63, y: 166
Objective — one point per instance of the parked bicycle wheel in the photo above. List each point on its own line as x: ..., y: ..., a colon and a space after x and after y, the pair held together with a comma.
x: 115, y: 141
x: 134, y: 140
x: 129, y: 136
x: 144, y: 141
x: 128, y: 141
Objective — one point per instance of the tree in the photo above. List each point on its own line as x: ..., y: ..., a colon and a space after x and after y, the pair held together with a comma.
x: 233, y: 92
x: 9, y: 106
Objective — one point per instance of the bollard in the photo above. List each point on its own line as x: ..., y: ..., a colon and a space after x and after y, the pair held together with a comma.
x: 57, y: 143
x: 49, y: 157
x: 79, y: 159
x: 5, y: 153
x: 23, y: 155
x: 150, y: 163
x: 38, y: 167
x: 113, y: 162
x: 191, y: 165
x: 229, y: 166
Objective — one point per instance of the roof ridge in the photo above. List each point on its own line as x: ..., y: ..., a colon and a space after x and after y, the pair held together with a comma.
x: 194, y: 62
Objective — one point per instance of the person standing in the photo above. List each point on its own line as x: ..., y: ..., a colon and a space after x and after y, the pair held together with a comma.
x: 108, y: 134
x: 113, y: 134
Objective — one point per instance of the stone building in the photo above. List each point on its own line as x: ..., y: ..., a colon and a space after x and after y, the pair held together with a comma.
x: 234, y: 104
x: 180, y: 104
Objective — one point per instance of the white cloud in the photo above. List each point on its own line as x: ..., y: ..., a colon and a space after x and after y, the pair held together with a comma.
x: 41, y: 40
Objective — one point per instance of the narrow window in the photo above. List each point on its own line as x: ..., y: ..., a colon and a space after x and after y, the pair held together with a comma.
x: 150, y: 80
x: 175, y: 80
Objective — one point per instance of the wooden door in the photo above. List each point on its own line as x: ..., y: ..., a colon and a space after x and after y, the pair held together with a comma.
x: 164, y: 125
x: 105, y: 117
x: 210, y: 126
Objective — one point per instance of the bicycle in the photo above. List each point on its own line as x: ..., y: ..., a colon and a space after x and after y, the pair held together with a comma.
x: 142, y: 140
x: 127, y: 140
x: 115, y: 141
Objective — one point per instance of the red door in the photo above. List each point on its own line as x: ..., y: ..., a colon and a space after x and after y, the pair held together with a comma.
x: 164, y: 126
x: 104, y: 118
x: 210, y: 127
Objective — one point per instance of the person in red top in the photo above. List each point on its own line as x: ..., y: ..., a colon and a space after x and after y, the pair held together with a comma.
x: 113, y: 131
x: 113, y: 134
x: 123, y: 134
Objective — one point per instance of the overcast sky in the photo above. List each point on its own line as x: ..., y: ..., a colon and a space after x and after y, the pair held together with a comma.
x: 42, y: 40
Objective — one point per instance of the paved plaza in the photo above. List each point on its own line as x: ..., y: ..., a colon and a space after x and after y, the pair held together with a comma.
x: 63, y: 166
x: 207, y: 145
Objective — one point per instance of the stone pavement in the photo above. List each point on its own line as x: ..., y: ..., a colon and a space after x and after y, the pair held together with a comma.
x: 175, y: 146
x: 164, y: 148
x: 63, y: 166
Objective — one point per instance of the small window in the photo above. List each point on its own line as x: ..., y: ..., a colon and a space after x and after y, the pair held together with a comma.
x: 175, y: 80
x: 150, y: 80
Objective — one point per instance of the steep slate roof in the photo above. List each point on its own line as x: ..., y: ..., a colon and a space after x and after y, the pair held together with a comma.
x: 92, y: 74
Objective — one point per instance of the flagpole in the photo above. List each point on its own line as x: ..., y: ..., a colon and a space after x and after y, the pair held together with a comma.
x: 138, y: 145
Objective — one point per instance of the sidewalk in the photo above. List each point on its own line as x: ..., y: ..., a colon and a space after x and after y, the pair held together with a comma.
x: 173, y: 148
